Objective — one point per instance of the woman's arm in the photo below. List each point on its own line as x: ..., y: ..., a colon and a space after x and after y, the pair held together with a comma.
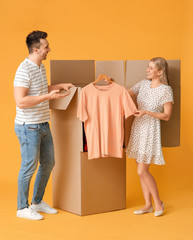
x: 131, y: 93
x: 166, y: 115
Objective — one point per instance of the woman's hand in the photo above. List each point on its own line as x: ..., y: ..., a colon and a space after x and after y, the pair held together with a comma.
x: 140, y: 113
x: 166, y: 115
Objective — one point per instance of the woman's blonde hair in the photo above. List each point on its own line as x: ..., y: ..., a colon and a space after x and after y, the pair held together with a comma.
x: 161, y: 64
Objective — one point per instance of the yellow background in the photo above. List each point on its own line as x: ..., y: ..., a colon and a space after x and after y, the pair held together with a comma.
x: 100, y: 30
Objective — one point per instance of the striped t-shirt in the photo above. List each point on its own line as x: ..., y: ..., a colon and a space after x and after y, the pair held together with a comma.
x: 32, y: 76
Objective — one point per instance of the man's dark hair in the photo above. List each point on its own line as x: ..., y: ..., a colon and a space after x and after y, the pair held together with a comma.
x: 33, y: 39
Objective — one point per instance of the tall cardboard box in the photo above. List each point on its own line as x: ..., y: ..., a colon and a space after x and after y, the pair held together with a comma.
x: 81, y: 186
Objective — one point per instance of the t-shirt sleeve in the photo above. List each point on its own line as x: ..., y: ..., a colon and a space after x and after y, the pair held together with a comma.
x: 81, y: 112
x: 137, y: 87
x: 128, y: 104
x: 168, y: 95
x: 22, y: 78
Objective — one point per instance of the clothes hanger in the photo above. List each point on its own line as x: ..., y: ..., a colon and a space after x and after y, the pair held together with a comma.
x: 103, y: 77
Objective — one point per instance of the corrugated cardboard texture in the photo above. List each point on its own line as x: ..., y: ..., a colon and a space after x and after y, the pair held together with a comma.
x: 103, y: 182
x: 62, y: 103
x: 67, y: 136
x: 77, y: 72
x: 135, y: 72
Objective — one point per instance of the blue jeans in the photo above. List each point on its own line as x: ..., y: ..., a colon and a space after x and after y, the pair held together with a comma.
x: 36, y: 144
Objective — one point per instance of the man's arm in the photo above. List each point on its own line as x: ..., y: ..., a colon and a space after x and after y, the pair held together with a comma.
x: 60, y: 86
x: 23, y: 100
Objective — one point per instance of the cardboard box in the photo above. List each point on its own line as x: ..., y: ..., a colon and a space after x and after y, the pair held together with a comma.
x: 81, y: 186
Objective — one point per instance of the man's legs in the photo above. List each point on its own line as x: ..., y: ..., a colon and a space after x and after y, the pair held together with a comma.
x: 29, y: 138
x: 46, y: 164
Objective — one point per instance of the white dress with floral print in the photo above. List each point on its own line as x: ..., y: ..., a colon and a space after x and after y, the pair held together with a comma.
x: 145, y: 139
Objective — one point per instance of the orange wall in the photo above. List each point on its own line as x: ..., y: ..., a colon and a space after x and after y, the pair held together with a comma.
x: 101, y: 30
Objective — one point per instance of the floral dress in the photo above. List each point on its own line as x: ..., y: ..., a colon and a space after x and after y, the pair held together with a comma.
x: 145, y: 139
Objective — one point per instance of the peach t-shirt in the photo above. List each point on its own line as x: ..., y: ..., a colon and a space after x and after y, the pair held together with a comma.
x: 102, y: 109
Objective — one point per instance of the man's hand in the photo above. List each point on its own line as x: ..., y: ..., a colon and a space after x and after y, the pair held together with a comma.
x: 60, y: 87
x: 66, y: 86
x: 55, y: 94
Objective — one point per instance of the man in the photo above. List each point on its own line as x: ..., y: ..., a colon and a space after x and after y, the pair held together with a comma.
x: 32, y: 95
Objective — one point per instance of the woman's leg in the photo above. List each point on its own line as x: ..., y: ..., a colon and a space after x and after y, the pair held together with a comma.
x: 150, y: 184
x: 146, y: 193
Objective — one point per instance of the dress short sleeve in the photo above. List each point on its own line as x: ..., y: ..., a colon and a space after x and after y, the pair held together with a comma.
x: 137, y: 87
x: 128, y: 104
x: 81, y: 111
x: 168, y: 95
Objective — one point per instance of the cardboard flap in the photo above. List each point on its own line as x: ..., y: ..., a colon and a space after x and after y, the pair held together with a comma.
x: 78, y: 72
x: 62, y: 103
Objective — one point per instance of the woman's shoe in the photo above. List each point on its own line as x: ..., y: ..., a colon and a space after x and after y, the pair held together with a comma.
x: 159, y: 213
x: 139, y: 212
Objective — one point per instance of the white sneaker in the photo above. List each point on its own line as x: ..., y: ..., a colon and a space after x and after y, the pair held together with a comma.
x: 29, y: 213
x: 43, y: 207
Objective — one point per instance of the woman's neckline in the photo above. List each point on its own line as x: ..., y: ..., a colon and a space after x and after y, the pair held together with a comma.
x: 154, y: 87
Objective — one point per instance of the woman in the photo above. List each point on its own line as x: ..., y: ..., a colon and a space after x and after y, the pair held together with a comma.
x: 155, y: 102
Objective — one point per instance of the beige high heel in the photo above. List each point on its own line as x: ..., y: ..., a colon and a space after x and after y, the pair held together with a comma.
x: 159, y: 213
x: 139, y: 212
